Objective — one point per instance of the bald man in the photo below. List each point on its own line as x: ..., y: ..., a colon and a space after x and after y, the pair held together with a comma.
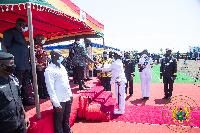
x: 59, y: 91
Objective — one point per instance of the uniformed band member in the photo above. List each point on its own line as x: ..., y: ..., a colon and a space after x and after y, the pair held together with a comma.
x: 145, y: 64
x: 118, y: 76
x: 13, y: 118
x: 105, y: 76
x: 129, y: 69
x: 168, y: 70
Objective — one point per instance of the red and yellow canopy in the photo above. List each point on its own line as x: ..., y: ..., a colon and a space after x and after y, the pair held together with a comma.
x: 58, y: 20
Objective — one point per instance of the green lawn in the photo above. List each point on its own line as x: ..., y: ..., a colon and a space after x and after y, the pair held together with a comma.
x: 181, y: 78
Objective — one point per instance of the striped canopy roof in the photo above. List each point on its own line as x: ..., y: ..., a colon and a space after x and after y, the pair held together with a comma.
x: 58, y: 20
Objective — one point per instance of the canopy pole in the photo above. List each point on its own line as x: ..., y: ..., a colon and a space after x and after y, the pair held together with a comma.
x: 32, y: 52
x: 92, y: 64
x: 103, y: 44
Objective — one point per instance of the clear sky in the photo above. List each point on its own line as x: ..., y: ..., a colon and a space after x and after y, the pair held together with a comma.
x: 150, y: 24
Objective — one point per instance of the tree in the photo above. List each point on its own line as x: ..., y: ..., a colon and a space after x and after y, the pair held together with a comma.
x: 161, y: 50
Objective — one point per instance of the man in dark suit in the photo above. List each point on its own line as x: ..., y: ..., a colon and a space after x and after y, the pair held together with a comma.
x: 168, y: 70
x: 129, y: 69
x: 14, y: 42
x: 72, y: 48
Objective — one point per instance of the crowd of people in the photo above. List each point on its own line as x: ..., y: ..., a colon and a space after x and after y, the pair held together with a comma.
x: 52, y: 77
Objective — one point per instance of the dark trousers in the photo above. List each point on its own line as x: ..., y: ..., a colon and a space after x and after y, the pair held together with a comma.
x: 166, y: 81
x: 23, y: 77
x: 42, y: 90
x: 130, y: 86
x: 20, y: 129
x: 79, y: 70
x: 61, y: 119
x: 75, y: 76
x: 105, y: 82
x: 158, y: 61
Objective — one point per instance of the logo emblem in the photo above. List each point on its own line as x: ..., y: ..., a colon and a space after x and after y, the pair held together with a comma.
x: 181, y: 114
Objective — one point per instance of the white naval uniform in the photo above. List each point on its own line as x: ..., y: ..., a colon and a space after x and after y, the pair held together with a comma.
x: 117, y: 71
x: 145, y: 75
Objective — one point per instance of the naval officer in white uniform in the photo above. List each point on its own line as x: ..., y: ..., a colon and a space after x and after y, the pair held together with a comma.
x: 118, y: 75
x: 145, y: 64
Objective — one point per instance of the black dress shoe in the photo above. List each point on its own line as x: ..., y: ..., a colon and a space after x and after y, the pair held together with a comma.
x: 28, y: 103
x: 75, y: 82
x: 131, y: 95
x: 147, y: 98
x: 43, y: 97
x: 82, y: 88
x: 86, y: 86
x: 169, y: 98
x: 25, y: 108
x: 89, y: 79
x: 164, y: 97
x: 47, y: 95
x: 85, y: 79
x: 143, y: 98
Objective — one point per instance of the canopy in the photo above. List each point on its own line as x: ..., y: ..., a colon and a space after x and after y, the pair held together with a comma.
x: 58, y: 20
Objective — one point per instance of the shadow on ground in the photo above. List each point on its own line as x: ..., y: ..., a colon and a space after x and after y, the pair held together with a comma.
x: 162, y: 101
x: 138, y: 101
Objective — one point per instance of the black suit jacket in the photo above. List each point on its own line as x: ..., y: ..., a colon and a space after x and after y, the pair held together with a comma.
x: 129, y: 67
x: 168, y: 67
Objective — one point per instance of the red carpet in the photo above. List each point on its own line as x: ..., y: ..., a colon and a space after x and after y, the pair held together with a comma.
x: 150, y: 114
x: 95, y: 104
x: 156, y: 94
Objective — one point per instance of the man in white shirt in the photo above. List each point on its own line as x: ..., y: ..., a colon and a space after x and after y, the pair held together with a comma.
x: 118, y: 77
x: 59, y: 90
x: 145, y: 64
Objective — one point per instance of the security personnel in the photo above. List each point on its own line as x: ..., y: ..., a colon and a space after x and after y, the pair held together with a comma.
x: 129, y: 69
x: 13, y: 118
x: 145, y: 64
x: 168, y: 70
x: 105, y: 76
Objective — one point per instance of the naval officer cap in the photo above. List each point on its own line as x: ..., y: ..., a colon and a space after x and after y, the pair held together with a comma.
x: 6, y: 56
x: 168, y: 50
x: 145, y: 50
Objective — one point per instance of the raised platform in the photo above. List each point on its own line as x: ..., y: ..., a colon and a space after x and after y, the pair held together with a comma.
x: 81, y: 105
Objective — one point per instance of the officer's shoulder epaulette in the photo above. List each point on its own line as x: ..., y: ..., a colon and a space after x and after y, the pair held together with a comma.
x: 13, y: 77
